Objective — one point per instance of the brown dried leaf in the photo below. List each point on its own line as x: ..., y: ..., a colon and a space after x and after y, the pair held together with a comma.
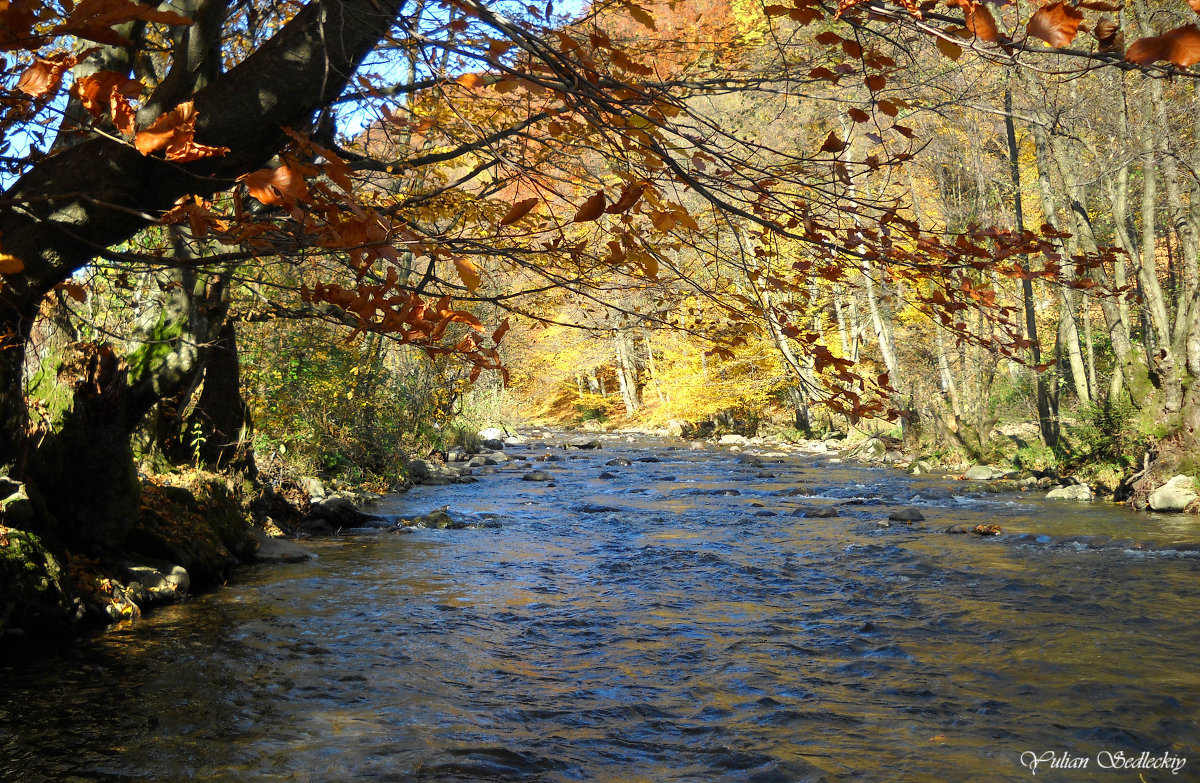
x: 592, y: 209
x: 949, y: 48
x: 1180, y: 46
x: 982, y: 24
x: 518, y: 211
x: 1056, y: 24
x: 832, y: 143
x: 858, y: 115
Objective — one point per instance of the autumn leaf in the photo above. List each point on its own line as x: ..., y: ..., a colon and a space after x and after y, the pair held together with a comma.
x: 982, y: 24
x: 858, y: 115
x: 629, y: 196
x: 174, y: 133
x: 949, y: 48
x: 468, y: 273
x: 501, y: 330
x: 283, y: 185
x: 832, y: 143
x: 663, y: 221
x: 1180, y: 46
x: 10, y: 264
x: 45, y: 75
x: 73, y: 290
x: 1056, y: 24
x: 876, y: 82
x: 1109, y: 35
x: 93, y: 19
x: 107, y: 94
x: 824, y: 73
x: 592, y: 209
x: 642, y: 15
x: 471, y: 80
x: 518, y: 211
x: 888, y: 108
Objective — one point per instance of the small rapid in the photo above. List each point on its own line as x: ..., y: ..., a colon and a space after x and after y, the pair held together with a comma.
x: 695, y: 616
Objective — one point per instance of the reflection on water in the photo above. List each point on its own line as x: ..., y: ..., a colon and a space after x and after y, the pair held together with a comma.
x: 690, y: 636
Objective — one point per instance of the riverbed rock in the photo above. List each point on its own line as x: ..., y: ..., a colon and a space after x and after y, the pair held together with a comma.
x: 313, y: 486
x: 537, y: 475
x: 908, y: 515
x: 272, y: 549
x: 492, y: 444
x: 984, y: 473
x: 492, y: 433
x: 825, y: 512
x: 621, y: 462
x: 583, y: 443
x: 1175, y: 495
x: 1080, y: 492
x: 733, y: 440
x: 607, y: 475
x: 870, y: 450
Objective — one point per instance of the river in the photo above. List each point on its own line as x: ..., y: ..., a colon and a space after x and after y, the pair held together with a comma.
x: 677, y: 622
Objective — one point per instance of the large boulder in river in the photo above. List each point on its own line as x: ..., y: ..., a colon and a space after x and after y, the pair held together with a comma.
x: 582, y: 443
x: 492, y: 433
x: 492, y: 444
x: 1175, y: 495
x: 870, y: 450
x: 733, y: 440
x: 908, y: 515
x: 1080, y: 492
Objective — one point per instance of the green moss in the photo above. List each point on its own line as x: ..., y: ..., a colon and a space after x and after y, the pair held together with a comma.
x: 32, y: 582
x: 155, y: 348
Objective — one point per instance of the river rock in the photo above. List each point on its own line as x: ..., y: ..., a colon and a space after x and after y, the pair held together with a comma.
x: 826, y: 512
x: 492, y: 444
x: 583, y: 443
x: 313, y: 486
x: 1080, y: 492
x: 909, y: 515
x: 618, y: 462
x: 279, y: 550
x: 456, y: 455
x: 607, y: 475
x: 733, y: 440
x: 515, y: 440
x: 537, y: 475
x: 1175, y: 495
x: 492, y: 433
x: 983, y: 473
x: 870, y: 450
x: 921, y: 466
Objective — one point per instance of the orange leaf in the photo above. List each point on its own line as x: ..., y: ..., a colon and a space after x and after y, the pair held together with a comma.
x: 10, y: 264
x: 73, y: 290
x: 518, y: 211
x: 501, y: 330
x: 1056, y: 24
x: 468, y: 273
x: 592, y: 209
x: 470, y: 80
x: 1180, y: 46
x: 283, y: 185
x: 106, y: 93
x: 1195, y: 4
x: 982, y: 24
x: 45, y: 75
x: 179, y: 123
x: 94, y: 19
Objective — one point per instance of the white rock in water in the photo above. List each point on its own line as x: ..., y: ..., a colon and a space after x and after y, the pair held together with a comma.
x: 732, y: 440
x: 1175, y: 495
x: 1073, y: 492
x: 492, y: 433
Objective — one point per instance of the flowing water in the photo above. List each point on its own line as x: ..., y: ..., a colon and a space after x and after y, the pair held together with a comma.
x: 675, y: 623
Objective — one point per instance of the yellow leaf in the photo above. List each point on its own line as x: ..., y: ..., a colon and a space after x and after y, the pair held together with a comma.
x: 468, y: 273
x: 10, y: 265
x: 470, y: 80
x: 949, y: 48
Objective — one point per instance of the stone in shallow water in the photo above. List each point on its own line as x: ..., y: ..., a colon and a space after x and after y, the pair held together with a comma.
x: 1175, y: 495
x: 618, y: 462
x: 909, y: 515
x: 1080, y: 492
x: 537, y: 475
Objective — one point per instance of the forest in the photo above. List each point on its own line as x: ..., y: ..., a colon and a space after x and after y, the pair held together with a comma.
x: 247, y: 243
